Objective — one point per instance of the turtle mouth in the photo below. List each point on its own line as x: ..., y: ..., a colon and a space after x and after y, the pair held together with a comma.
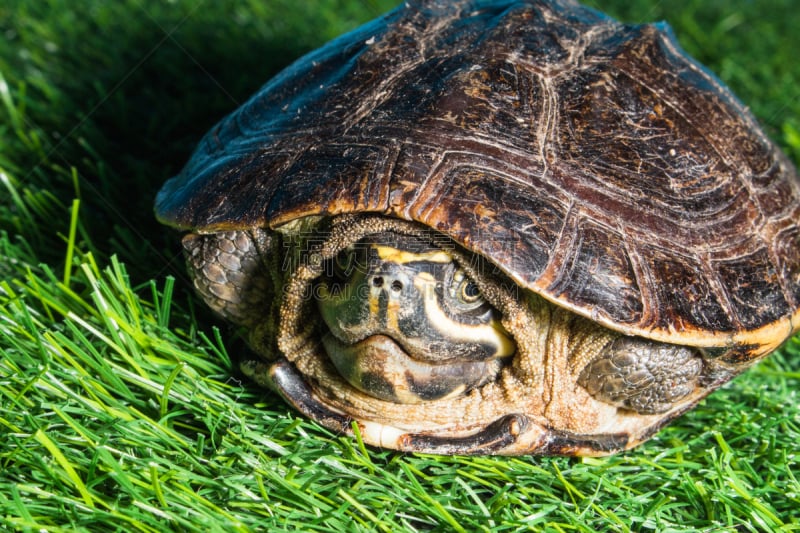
x: 377, y: 365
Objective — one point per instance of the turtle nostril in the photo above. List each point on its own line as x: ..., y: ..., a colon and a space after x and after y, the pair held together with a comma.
x: 377, y: 281
x: 397, y: 286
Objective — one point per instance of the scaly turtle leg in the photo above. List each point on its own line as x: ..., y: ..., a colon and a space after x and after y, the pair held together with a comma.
x: 642, y: 375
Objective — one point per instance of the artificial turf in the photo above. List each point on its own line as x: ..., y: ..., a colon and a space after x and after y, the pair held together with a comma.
x: 120, y: 405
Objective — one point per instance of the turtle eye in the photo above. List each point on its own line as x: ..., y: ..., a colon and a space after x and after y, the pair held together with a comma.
x: 465, y: 291
x: 468, y: 292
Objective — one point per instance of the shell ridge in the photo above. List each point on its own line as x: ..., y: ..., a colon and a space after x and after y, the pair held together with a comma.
x: 564, y: 241
x: 426, y: 193
x: 643, y: 277
x: 720, y: 290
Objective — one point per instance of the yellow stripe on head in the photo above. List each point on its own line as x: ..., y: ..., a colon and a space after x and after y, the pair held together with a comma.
x: 403, y: 257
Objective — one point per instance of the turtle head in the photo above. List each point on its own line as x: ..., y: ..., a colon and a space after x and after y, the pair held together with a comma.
x: 405, y: 323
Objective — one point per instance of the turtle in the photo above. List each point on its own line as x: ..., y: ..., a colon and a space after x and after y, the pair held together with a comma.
x: 494, y: 227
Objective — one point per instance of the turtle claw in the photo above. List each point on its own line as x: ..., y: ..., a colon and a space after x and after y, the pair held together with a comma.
x: 497, y: 436
x: 287, y: 381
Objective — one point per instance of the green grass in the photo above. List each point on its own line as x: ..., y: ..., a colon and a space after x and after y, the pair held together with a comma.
x: 120, y: 408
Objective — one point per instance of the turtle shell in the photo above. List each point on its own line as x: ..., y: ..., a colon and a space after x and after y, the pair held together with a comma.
x: 594, y: 162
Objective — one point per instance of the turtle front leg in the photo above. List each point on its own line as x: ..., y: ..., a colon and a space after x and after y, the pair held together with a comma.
x: 230, y: 272
x: 237, y: 274
x: 642, y: 375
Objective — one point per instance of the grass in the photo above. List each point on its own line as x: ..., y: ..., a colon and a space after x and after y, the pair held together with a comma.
x: 120, y: 408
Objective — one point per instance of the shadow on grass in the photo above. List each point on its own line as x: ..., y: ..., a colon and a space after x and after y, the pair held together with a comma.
x: 124, y: 91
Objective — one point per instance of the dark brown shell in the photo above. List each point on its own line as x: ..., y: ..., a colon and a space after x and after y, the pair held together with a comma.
x: 594, y: 162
